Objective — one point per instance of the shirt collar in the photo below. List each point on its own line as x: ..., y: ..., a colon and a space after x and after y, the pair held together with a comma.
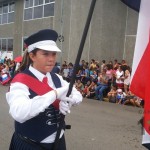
x: 38, y: 74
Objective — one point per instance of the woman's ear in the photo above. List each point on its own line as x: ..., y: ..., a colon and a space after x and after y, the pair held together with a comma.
x: 31, y: 55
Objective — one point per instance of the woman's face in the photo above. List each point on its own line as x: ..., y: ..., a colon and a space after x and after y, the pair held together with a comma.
x: 43, y: 61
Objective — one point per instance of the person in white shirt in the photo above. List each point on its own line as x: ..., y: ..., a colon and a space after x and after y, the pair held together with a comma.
x: 37, y: 96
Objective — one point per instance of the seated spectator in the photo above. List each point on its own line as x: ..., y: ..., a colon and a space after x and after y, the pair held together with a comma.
x: 130, y: 99
x: 70, y: 67
x: 123, y: 63
x: 63, y: 66
x: 109, y: 71
x: 79, y: 85
x: 127, y: 77
x: 112, y: 94
x: 103, y: 65
x: 120, y: 98
x: 65, y: 72
x: 91, y: 89
x: 92, y: 65
x: 116, y: 65
x: 120, y: 78
x: 12, y: 67
x: 85, y: 89
x: 56, y: 69
x: 4, y: 75
x: 102, y: 85
x: 78, y: 74
x: 82, y: 64
x: 94, y: 76
x: 133, y: 100
x: 85, y: 75
x: 138, y: 101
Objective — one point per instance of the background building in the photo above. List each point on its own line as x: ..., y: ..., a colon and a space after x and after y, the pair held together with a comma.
x: 111, y: 35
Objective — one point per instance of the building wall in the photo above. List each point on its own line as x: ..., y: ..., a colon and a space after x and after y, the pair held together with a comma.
x: 130, y: 35
x: 111, y: 35
x: 26, y: 28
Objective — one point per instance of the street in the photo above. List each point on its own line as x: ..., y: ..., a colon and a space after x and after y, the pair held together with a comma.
x: 95, y: 126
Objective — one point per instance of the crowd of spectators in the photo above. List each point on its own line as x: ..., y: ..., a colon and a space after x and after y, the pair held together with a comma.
x: 95, y: 80
x: 7, y: 70
x: 103, y: 81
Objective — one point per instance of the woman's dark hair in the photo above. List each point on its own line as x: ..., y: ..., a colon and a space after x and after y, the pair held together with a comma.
x: 103, y: 61
x: 26, y: 61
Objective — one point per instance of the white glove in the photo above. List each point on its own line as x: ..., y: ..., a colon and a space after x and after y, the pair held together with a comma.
x: 74, y: 99
x: 62, y: 92
x: 64, y: 107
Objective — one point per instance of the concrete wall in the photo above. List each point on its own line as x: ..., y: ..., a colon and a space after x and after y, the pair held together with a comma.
x: 18, y: 28
x: 111, y: 35
x: 130, y: 35
x: 26, y: 28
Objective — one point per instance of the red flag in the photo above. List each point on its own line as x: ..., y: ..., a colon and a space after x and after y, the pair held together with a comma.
x: 140, y: 79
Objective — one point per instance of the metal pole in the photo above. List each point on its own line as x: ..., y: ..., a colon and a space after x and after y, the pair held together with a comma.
x: 84, y: 35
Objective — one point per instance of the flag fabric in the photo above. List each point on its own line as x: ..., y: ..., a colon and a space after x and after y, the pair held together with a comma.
x: 5, y: 78
x: 140, y: 78
x: 134, y: 4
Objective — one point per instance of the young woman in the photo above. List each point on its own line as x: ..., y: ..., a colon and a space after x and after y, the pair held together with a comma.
x: 37, y: 96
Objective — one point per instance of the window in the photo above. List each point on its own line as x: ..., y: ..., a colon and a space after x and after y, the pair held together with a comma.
x: 10, y: 45
x: 48, y: 1
x: 5, y: 8
x: 28, y: 14
x: 4, y: 18
x: 0, y: 9
x: 49, y: 10
x: 11, y: 17
x: 28, y: 3
x: 38, y: 2
x: 34, y: 9
x: 7, y: 12
x: 6, y: 44
x: 12, y: 7
x: 38, y: 12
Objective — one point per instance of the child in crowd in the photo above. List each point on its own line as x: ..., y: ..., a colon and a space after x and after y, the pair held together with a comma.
x: 133, y: 100
x: 138, y: 101
x: 65, y: 72
x: 85, y: 89
x: 120, y: 98
x: 112, y: 94
x: 91, y: 89
x: 129, y: 99
x: 79, y: 85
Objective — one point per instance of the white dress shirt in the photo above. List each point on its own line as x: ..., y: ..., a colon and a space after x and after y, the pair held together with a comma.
x: 23, y: 108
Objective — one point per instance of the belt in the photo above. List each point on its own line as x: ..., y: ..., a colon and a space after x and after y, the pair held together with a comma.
x: 31, y: 142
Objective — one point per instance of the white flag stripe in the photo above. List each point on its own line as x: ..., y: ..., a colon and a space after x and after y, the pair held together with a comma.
x: 142, y: 34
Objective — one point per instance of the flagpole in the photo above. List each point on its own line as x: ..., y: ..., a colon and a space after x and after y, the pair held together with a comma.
x: 76, y: 65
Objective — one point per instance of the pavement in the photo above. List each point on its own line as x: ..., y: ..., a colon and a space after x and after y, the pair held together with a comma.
x: 95, y: 126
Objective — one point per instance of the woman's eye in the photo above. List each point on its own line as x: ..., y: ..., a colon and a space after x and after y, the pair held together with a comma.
x: 53, y: 54
x: 49, y: 54
x: 46, y: 54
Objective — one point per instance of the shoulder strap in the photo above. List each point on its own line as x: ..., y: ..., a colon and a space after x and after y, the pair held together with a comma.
x: 32, y: 83
x: 56, y: 80
x: 35, y: 84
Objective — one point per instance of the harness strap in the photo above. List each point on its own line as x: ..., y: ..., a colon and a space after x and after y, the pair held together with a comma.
x: 34, y: 85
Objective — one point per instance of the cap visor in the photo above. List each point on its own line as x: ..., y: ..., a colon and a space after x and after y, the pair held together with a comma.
x: 49, y: 48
